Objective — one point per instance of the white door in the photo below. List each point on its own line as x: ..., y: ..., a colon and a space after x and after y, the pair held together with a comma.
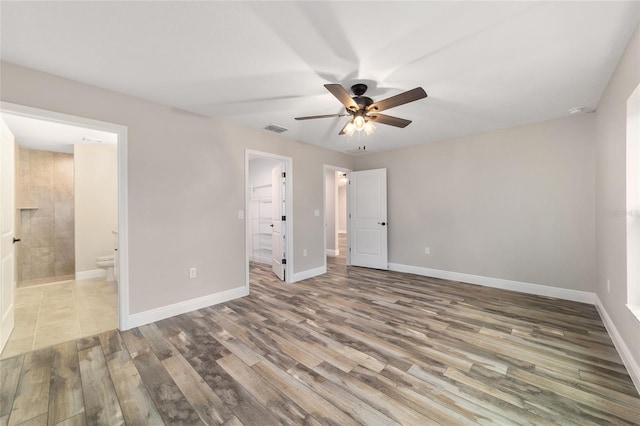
x: 7, y: 232
x: 279, y: 254
x: 368, y: 218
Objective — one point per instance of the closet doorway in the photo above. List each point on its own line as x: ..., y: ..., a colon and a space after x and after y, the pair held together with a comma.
x: 268, y: 213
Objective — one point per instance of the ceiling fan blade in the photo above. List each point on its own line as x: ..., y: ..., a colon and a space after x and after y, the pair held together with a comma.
x: 401, y: 99
x: 387, y: 119
x: 313, y: 117
x: 342, y: 95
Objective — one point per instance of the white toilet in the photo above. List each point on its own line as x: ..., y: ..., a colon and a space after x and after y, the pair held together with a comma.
x: 107, y: 262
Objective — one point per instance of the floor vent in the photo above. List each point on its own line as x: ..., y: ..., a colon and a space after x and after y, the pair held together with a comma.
x: 276, y: 129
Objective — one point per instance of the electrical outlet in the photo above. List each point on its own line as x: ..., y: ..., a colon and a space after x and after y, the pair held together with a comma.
x: 608, y: 286
x: 193, y: 272
x: 304, y: 252
x: 427, y: 250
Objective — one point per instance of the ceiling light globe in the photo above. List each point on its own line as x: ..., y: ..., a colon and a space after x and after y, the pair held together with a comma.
x: 369, y: 128
x: 359, y: 122
x: 349, y: 129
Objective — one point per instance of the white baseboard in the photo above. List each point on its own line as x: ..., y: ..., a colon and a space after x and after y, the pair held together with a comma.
x: 93, y: 273
x: 633, y: 368
x: 309, y: 273
x: 333, y: 253
x: 537, y: 289
x: 157, y: 314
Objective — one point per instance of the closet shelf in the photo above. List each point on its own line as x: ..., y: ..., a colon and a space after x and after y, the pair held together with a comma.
x: 261, y: 204
x: 28, y: 208
x: 268, y: 185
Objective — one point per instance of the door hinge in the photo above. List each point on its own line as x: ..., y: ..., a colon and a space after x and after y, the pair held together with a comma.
x: 284, y: 174
x: 284, y: 218
x: 284, y: 261
x: 349, y: 215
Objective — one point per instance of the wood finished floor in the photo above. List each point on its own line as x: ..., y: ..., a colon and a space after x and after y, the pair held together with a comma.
x: 355, y: 346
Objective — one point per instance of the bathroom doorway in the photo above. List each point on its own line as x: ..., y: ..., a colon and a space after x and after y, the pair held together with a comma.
x: 268, y: 218
x: 68, y: 214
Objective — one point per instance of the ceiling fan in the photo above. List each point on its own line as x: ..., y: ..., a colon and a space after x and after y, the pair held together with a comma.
x: 364, y: 111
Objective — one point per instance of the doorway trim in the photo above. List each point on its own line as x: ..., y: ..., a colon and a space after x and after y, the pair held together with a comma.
x: 123, y: 208
x: 325, y: 169
x: 288, y: 167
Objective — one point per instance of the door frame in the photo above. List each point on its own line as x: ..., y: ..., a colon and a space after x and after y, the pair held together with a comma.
x: 8, y: 247
x: 325, y: 169
x: 123, y: 207
x: 288, y: 168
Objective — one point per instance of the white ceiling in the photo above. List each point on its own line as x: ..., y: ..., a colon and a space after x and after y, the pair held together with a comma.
x: 485, y: 65
x: 32, y: 133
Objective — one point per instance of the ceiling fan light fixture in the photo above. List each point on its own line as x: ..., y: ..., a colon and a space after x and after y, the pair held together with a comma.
x: 350, y: 128
x: 359, y: 122
x: 369, y: 128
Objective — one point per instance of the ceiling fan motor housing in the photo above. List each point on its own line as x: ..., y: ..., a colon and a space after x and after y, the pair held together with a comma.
x: 363, y: 102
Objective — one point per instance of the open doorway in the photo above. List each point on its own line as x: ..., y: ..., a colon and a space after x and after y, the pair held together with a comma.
x: 69, y: 222
x: 335, y: 206
x: 268, y: 216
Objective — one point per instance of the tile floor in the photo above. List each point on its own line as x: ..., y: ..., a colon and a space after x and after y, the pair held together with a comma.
x: 54, y: 313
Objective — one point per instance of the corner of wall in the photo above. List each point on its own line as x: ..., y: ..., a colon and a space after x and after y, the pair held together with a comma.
x: 633, y: 368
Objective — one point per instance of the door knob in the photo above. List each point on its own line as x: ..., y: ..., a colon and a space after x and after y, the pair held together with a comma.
x: 16, y: 240
x: 382, y: 223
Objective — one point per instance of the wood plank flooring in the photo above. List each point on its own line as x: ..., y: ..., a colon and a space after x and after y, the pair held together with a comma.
x: 355, y: 346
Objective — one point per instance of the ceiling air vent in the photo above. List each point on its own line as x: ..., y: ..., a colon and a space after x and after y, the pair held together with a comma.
x: 276, y: 129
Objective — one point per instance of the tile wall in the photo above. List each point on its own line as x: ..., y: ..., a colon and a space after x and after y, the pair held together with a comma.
x: 46, y: 205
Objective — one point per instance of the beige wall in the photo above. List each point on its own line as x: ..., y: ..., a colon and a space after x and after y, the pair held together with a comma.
x: 515, y: 204
x: 45, y: 192
x: 186, y: 185
x: 96, y: 172
x: 611, y: 196
x: 342, y: 208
